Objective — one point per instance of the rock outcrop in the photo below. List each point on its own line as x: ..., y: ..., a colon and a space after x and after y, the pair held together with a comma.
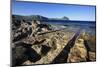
x: 84, y: 49
x: 36, y: 43
x: 78, y: 53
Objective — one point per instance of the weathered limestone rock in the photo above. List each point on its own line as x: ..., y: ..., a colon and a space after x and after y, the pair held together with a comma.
x: 78, y: 53
x: 36, y: 43
x: 57, y: 42
x: 92, y: 56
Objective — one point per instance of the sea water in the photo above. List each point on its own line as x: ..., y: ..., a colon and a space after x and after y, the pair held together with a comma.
x: 85, y: 26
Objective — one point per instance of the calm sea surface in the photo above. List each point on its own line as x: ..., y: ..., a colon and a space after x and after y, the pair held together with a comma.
x: 87, y: 26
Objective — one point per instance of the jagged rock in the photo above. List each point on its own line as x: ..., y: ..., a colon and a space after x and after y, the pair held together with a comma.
x: 56, y: 42
x: 78, y: 53
x: 90, y: 44
x: 37, y: 48
x: 19, y: 37
x: 23, y: 31
x: 29, y: 40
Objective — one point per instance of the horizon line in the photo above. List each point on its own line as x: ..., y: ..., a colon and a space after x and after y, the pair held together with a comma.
x: 56, y: 17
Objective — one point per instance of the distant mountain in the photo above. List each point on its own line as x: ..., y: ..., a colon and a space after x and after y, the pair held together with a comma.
x: 37, y: 17
x: 31, y: 17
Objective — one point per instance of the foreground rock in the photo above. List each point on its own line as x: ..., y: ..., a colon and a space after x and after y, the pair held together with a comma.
x: 57, y: 43
x: 36, y: 43
x: 23, y: 52
x: 92, y: 56
x: 84, y: 49
x: 78, y: 53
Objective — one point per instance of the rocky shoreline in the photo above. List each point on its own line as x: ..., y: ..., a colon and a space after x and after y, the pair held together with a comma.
x: 37, y: 43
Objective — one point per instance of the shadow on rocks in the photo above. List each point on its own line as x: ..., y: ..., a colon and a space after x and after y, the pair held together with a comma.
x: 45, y: 49
x: 23, y: 52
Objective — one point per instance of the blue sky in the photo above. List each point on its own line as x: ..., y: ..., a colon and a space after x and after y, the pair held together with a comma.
x: 73, y: 12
